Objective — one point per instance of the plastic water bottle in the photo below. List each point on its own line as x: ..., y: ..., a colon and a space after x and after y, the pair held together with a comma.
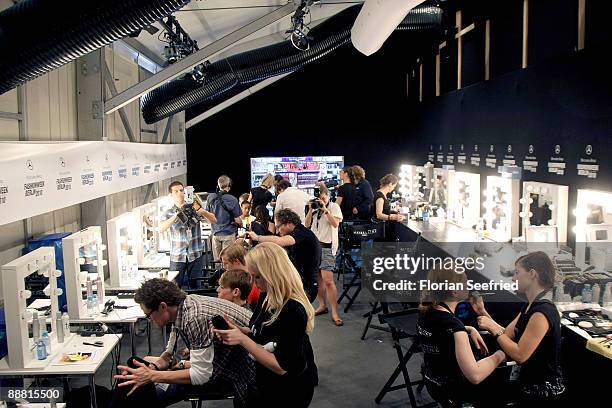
x: 426, y: 214
x: 607, y: 296
x: 59, y: 327
x: 35, y: 327
x: 41, y: 350
x: 595, y: 295
x: 94, y: 304
x: 586, y: 293
x: 90, y: 310
x: 46, y: 341
x: 66, y: 324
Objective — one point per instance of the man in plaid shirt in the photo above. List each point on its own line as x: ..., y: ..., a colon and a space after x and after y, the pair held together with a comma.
x: 186, y: 249
x: 212, y: 366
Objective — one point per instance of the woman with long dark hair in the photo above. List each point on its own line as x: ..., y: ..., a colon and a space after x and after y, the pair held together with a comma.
x: 262, y: 224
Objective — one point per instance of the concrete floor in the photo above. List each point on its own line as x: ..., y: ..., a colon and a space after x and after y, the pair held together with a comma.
x: 351, y: 371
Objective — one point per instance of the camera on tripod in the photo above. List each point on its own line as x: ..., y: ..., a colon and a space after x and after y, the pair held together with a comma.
x: 188, y: 215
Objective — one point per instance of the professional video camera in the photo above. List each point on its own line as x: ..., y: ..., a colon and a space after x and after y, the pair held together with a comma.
x: 331, y: 184
x: 188, y: 215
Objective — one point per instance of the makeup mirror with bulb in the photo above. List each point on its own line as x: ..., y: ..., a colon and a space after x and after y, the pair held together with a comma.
x: 593, y: 229
x: 501, y: 208
x: 162, y: 239
x: 544, y: 212
x: 84, y: 263
x: 464, y: 209
x: 146, y: 238
x: 441, y: 181
x: 122, y: 242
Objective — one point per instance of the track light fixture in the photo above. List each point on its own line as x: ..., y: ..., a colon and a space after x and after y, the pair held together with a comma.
x: 299, y: 31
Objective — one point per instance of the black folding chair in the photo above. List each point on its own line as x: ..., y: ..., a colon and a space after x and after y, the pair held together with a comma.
x: 352, y: 235
x: 403, y: 326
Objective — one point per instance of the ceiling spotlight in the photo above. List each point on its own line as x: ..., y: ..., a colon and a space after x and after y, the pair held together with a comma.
x: 171, y: 53
x: 199, y: 72
x: 377, y: 20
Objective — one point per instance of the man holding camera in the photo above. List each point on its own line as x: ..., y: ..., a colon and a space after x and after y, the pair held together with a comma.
x: 185, y: 234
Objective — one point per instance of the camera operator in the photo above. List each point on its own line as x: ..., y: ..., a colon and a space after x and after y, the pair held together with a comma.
x: 291, y: 198
x: 364, y: 196
x: 186, y: 250
x: 345, y: 195
x: 302, y: 245
x: 227, y: 210
x: 323, y: 219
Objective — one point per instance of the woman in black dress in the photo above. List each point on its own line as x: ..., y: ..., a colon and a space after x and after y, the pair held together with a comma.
x: 278, y: 334
x: 382, y: 208
x: 533, y: 339
x: 261, y: 195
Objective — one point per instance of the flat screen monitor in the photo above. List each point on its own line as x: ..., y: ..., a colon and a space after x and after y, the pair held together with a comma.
x: 302, y: 172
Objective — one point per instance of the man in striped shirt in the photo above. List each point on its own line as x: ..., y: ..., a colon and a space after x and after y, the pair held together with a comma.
x: 211, y: 365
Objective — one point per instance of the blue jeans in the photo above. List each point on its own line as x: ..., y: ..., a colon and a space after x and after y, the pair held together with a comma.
x: 187, y: 270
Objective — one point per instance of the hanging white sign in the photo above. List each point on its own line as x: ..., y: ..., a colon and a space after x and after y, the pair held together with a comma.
x: 36, y: 178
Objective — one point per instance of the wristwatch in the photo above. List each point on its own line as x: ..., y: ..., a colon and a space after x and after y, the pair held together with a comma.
x: 499, y: 333
x: 181, y: 364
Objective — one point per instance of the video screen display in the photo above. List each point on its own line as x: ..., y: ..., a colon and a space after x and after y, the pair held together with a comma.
x: 301, y: 172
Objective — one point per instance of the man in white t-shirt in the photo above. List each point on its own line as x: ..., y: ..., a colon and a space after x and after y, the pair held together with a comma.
x: 323, y: 219
x: 291, y: 198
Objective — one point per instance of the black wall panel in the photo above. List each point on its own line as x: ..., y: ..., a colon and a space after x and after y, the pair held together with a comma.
x: 553, y: 29
x: 506, y: 39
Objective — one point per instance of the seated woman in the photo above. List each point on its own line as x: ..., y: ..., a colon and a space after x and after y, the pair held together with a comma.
x: 450, y: 368
x: 278, y: 335
x: 533, y: 339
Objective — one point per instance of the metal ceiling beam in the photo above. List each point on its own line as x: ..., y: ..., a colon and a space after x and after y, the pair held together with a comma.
x: 233, y: 100
x: 194, y: 59
x: 139, y: 47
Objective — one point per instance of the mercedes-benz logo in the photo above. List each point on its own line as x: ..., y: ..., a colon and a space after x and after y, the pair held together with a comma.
x: 531, y: 149
x: 475, y: 148
x: 30, y: 165
x: 87, y: 159
x: 589, y: 150
x: 450, y: 148
x: 461, y: 147
x: 509, y: 148
x: 106, y: 157
x: 62, y: 162
x: 491, y: 148
x: 557, y: 149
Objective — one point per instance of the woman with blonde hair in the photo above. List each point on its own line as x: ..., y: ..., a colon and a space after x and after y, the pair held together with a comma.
x: 261, y: 195
x: 278, y: 334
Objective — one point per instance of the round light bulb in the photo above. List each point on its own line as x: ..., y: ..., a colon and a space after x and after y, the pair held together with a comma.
x: 522, y: 214
x: 529, y: 187
x: 551, y: 222
x: 522, y: 201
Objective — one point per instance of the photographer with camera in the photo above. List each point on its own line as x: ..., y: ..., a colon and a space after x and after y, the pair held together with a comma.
x: 227, y: 210
x: 323, y: 219
x: 185, y: 234
x: 302, y: 245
